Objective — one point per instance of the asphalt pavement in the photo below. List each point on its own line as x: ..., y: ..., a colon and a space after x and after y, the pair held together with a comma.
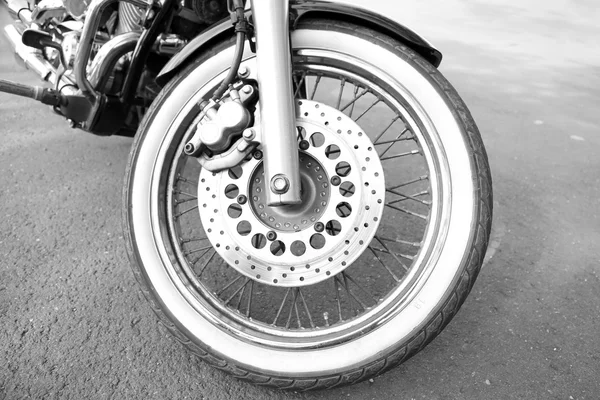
x: 73, y: 323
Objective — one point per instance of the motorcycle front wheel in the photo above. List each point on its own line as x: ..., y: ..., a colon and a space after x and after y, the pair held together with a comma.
x: 381, y: 254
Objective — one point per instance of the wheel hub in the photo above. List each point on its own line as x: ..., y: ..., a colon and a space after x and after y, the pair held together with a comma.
x: 315, y: 192
x: 343, y: 193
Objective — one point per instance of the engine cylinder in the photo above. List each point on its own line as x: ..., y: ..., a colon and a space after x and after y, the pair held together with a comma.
x: 129, y: 18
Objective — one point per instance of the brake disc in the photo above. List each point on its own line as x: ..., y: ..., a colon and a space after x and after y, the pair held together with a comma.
x: 343, y: 193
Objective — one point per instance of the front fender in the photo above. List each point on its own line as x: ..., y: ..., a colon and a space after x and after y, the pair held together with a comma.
x: 330, y: 9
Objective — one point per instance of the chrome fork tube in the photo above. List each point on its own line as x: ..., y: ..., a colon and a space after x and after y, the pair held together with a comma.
x: 277, y: 109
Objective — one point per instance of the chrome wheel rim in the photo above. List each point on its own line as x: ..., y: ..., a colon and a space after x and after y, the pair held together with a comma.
x: 290, y: 319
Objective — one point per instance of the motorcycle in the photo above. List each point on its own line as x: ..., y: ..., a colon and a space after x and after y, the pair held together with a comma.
x: 307, y: 200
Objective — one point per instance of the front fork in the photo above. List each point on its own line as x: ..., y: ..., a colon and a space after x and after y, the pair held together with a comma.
x: 277, y: 109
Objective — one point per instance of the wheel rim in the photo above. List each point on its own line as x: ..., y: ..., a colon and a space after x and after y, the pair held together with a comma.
x: 355, y: 298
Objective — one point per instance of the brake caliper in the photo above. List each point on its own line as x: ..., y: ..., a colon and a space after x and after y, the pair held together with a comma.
x: 222, y: 123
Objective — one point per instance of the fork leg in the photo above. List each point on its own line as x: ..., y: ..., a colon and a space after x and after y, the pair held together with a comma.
x: 278, y: 118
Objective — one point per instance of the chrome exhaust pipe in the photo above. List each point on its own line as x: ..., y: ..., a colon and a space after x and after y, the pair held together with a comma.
x: 33, y: 59
x: 30, y: 56
x: 19, y: 10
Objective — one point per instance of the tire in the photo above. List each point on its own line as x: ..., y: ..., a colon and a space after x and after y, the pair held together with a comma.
x: 365, y: 340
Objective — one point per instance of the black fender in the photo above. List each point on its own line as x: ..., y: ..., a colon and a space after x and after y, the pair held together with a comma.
x: 302, y: 9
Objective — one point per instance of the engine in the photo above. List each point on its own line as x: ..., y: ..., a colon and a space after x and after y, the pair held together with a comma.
x: 206, y: 12
x: 76, y: 8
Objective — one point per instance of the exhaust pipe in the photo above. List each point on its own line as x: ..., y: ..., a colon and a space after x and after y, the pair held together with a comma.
x: 34, y: 61
x: 19, y: 9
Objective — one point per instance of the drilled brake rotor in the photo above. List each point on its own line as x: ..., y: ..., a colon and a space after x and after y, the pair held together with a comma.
x: 343, y: 193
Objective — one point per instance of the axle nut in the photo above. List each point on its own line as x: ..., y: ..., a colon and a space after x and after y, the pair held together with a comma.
x: 280, y: 184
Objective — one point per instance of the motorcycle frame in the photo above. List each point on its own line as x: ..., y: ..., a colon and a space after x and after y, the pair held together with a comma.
x: 105, y: 115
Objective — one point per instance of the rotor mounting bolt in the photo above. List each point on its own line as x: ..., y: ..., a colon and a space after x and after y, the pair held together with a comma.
x: 304, y: 145
x: 243, y: 71
x: 336, y: 180
x: 319, y: 227
x: 280, y: 184
x: 242, y: 199
x: 258, y: 155
x: 271, y: 236
x: 249, y: 134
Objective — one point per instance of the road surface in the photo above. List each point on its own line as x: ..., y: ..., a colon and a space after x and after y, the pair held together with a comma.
x: 74, y: 325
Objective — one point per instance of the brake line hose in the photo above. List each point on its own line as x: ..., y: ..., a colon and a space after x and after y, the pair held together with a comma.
x: 241, y: 28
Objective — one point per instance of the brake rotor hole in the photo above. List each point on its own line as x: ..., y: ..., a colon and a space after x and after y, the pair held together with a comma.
x: 343, y: 210
x: 298, y: 248
x: 332, y: 152
x: 259, y: 241
x: 317, y: 139
x: 236, y: 172
x: 231, y: 191
x: 244, y: 228
x: 277, y: 248
x: 333, y: 228
x: 317, y: 241
x: 343, y: 169
x: 234, y: 210
x: 347, y: 189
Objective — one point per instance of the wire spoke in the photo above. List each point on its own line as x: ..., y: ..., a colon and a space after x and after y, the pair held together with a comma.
x: 419, y: 179
x: 359, y: 286
x: 344, y: 284
x: 409, y: 153
x: 294, y: 308
x: 398, y: 138
x: 377, y: 101
x: 300, y: 85
x: 387, y: 128
x: 281, y: 306
x: 185, y: 212
x: 416, y: 195
x: 357, y: 97
x: 399, y: 241
x: 233, y: 282
x: 206, y: 262
x: 310, y: 320
x: 190, y: 240
x: 339, y: 100
x: 250, y: 298
x: 240, y: 289
x: 384, y: 265
x: 394, y: 141
x: 402, y: 210
x: 187, y: 253
x: 312, y: 96
x: 337, y: 298
x: 182, y: 179
x: 185, y: 194
x: 392, y: 254
x: 409, y: 197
